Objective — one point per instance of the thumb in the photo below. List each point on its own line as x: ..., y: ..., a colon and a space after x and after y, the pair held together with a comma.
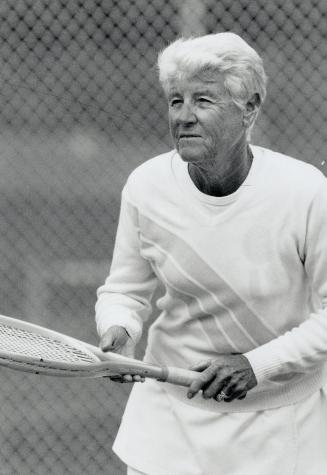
x: 114, y: 339
x: 129, y: 348
x: 200, y: 366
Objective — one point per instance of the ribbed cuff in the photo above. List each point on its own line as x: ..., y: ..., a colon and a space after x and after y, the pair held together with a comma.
x: 264, y: 362
x: 121, y: 317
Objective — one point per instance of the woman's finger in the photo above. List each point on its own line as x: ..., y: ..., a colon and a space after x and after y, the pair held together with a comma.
x: 204, y: 379
x: 138, y: 379
x: 201, y: 365
x: 214, y: 388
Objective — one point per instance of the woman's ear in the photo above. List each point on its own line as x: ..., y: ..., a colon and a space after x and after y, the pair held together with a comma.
x: 251, y: 110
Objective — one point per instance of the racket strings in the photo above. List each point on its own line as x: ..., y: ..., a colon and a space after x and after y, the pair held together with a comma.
x: 25, y: 343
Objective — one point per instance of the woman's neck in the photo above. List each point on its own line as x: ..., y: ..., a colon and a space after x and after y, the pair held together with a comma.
x: 222, y: 177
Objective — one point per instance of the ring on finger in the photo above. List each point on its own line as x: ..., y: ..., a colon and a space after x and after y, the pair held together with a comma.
x: 221, y: 396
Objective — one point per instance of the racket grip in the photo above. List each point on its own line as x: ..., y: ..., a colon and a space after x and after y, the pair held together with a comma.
x: 179, y: 376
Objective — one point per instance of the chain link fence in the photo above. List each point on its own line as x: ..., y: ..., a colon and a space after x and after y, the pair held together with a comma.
x: 80, y: 107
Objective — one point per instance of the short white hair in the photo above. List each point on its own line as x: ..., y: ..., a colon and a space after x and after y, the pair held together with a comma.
x: 222, y: 53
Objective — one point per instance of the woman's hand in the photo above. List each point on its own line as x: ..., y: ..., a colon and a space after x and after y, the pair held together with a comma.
x: 117, y: 340
x: 226, y: 378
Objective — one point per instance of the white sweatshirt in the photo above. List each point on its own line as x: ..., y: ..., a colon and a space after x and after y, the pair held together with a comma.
x: 242, y: 273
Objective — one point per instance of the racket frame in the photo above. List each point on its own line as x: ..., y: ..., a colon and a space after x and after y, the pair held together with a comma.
x: 105, y: 364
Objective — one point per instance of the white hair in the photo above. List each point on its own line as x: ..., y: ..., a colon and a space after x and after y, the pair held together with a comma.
x: 226, y: 54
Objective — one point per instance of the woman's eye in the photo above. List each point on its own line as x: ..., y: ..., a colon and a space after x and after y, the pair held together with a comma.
x: 175, y: 102
x: 204, y: 100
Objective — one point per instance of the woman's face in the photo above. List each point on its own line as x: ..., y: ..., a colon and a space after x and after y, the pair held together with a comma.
x: 205, y: 124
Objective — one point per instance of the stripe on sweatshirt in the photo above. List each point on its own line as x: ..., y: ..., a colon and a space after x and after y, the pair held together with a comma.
x: 204, y: 302
x: 217, y: 293
x: 209, y: 323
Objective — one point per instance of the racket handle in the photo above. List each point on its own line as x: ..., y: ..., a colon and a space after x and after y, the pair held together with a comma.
x: 179, y: 376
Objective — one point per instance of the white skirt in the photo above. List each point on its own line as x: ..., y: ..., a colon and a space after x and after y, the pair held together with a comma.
x: 161, y: 435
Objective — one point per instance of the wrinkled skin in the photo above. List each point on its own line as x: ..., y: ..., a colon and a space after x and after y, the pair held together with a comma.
x: 117, y: 340
x: 230, y: 373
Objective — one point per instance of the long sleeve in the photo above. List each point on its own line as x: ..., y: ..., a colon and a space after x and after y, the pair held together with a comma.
x: 304, y: 347
x: 125, y: 297
x: 239, y: 273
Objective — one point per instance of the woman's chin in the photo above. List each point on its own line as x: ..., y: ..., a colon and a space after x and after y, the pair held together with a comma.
x: 189, y: 154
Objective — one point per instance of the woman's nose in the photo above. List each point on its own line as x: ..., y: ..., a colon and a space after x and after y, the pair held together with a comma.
x: 187, y: 114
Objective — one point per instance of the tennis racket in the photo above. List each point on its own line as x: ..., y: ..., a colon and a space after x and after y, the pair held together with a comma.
x: 36, y: 349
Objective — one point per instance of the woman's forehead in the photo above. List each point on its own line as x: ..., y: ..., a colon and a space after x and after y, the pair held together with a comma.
x: 197, y: 82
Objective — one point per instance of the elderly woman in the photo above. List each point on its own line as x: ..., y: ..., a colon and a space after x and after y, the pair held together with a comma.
x: 237, y: 236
